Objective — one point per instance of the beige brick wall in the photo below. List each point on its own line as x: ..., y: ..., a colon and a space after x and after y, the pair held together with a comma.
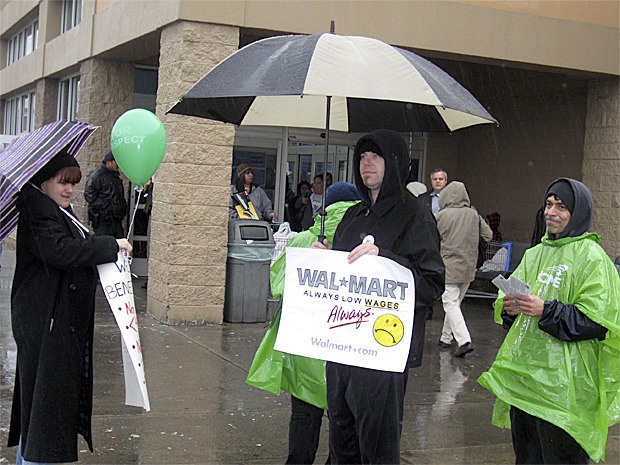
x: 189, y: 223
x: 601, y: 164
x: 106, y: 92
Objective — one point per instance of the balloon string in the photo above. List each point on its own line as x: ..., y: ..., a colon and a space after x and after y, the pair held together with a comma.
x: 135, y: 209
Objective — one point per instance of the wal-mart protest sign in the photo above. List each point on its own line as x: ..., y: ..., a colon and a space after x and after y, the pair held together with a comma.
x: 117, y: 286
x: 358, y: 313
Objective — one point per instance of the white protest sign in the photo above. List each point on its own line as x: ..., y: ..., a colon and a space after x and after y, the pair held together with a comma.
x: 117, y: 286
x: 358, y: 313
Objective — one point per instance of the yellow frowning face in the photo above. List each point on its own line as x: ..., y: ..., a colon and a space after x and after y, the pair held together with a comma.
x: 388, y: 330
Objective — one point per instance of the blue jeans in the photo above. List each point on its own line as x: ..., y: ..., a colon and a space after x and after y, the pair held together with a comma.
x: 20, y: 460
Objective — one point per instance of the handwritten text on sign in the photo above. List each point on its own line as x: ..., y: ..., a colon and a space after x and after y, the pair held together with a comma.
x: 359, y: 314
x: 116, y: 283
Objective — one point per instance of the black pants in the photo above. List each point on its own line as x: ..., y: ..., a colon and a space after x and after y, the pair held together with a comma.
x: 109, y: 228
x: 365, y: 414
x: 304, y: 432
x: 537, y: 441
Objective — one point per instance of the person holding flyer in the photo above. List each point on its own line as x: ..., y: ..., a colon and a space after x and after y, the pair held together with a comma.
x: 557, y: 374
x: 365, y: 405
x: 52, y: 316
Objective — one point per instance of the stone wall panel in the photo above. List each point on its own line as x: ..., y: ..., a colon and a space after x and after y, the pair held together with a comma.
x: 210, y: 155
x: 196, y: 295
x: 609, y: 135
x: 193, y: 194
x: 601, y: 166
x: 193, y: 255
x: 199, y: 275
x: 185, y: 173
x: 191, y: 202
x: 197, y: 214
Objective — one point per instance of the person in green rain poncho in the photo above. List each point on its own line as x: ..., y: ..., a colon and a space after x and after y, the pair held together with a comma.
x: 557, y: 374
x: 302, y: 377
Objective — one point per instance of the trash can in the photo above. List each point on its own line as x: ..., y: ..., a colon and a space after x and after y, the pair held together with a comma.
x: 250, y: 249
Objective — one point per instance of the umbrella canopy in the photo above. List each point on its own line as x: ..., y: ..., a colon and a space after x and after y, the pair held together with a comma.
x: 28, y: 154
x: 283, y: 81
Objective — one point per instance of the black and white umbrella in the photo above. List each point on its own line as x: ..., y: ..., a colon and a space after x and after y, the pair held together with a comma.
x: 26, y: 155
x: 341, y: 83
x: 284, y: 81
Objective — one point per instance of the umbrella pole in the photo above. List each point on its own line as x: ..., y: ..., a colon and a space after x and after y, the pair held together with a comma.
x: 323, y: 213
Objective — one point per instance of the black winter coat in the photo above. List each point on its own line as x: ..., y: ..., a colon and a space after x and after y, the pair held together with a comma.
x: 426, y: 200
x: 52, y: 312
x: 105, y: 195
x: 404, y: 230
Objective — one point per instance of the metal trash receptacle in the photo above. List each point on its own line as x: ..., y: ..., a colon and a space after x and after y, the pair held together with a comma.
x: 250, y: 250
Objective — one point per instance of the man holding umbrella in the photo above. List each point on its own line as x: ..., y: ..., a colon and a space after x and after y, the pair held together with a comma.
x: 365, y: 405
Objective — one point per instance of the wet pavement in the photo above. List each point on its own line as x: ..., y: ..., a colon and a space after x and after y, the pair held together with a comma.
x: 202, y: 412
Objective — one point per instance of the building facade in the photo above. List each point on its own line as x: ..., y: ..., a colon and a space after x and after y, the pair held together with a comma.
x: 547, y: 71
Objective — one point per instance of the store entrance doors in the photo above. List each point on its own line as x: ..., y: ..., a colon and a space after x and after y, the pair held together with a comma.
x: 304, y: 161
x: 282, y: 157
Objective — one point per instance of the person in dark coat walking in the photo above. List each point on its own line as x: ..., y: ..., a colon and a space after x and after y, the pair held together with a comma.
x: 52, y: 315
x: 105, y: 196
x: 366, y: 406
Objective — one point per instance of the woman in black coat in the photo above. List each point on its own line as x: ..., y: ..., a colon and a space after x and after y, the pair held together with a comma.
x: 52, y: 313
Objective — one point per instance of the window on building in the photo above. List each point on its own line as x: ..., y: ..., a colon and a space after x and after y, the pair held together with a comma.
x: 71, y: 14
x: 145, y: 88
x: 23, y: 43
x: 19, y: 114
x: 68, y: 97
x: 20, y: 45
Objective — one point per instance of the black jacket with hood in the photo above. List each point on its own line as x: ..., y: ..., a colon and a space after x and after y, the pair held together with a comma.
x: 404, y: 230
x: 104, y: 193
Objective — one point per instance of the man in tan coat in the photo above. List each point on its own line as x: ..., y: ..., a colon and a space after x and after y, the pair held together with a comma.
x: 459, y: 227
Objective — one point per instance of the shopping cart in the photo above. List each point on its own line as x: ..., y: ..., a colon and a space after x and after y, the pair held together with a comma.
x: 281, y: 239
x: 281, y: 243
x: 497, y: 256
x: 497, y: 261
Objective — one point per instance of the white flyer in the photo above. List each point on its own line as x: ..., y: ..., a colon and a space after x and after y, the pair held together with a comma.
x: 511, y: 286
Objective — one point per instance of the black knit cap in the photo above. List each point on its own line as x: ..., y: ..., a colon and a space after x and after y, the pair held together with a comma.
x: 108, y: 157
x: 563, y: 190
x: 341, y: 192
x: 370, y: 146
x: 61, y: 160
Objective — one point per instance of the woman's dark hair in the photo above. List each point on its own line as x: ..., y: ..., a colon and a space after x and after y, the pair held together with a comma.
x: 302, y: 183
x: 240, y: 184
x: 70, y: 174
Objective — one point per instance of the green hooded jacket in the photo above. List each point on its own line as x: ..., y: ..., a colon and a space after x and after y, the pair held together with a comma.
x: 273, y: 370
x: 574, y: 385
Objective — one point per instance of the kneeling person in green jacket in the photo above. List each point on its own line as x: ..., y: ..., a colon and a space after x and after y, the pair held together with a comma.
x: 557, y: 374
x: 302, y: 377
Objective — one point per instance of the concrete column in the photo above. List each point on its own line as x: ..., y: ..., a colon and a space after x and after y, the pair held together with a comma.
x: 46, y: 103
x: 187, y: 258
x: 106, y: 92
x: 601, y: 160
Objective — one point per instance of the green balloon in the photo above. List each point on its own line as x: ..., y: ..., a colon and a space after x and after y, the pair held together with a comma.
x: 138, y: 144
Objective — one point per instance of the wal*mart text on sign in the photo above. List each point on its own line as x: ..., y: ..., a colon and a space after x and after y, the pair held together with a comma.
x: 358, y: 313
